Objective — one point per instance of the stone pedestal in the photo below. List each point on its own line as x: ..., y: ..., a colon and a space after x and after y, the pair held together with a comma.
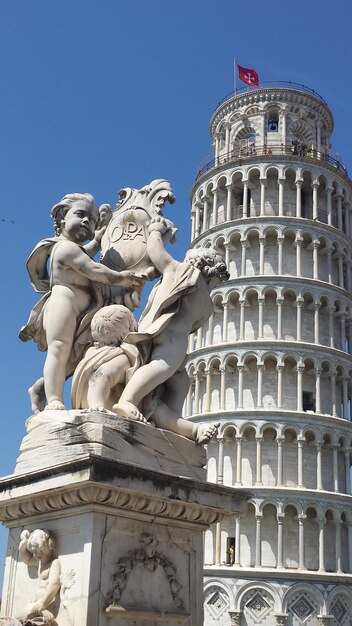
x: 127, y: 504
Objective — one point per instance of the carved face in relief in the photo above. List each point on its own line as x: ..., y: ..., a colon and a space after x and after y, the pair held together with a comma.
x: 40, y: 544
x: 80, y: 220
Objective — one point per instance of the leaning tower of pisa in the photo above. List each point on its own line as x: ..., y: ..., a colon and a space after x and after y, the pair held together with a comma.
x: 273, y: 363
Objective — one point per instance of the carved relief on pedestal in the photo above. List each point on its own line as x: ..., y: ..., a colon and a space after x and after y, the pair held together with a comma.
x: 151, y: 559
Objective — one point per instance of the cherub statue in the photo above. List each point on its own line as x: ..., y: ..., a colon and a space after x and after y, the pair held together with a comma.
x: 99, y: 378
x: 178, y: 305
x: 38, y: 548
x: 61, y: 319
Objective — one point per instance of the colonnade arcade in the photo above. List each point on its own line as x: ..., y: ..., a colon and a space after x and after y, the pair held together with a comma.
x: 276, y: 250
x: 272, y: 190
x: 273, y: 530
x: 288, y: 455
x: 269, y: 381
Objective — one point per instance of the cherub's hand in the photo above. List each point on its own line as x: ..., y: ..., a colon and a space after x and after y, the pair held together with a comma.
x: 24, y: 535
x: 158, y: 224
x: 99, y: 234
x: 127, y: 279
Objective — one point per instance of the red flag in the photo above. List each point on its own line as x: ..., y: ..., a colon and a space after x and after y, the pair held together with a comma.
x: 248, y: 76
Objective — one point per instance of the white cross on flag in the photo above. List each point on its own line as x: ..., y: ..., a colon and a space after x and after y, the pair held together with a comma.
x: 248, y: 76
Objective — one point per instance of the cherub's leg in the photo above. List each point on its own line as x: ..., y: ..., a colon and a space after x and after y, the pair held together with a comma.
x: 176, y: 389
x: 60, y: 325
x: 169, y: 420
x: 166, y: 359
x: 104, y: 379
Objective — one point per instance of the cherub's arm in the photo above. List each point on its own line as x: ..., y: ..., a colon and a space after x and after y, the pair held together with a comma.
x: 51, y: 590
x: 74, y: 257
x: 161, y: 259
x: 25, y: 555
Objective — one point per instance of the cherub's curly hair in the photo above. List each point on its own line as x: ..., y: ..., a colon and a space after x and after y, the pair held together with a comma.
x: 208, y: 261
x: 111, y: 324
x: 39, y: 536
x: 60, y: 209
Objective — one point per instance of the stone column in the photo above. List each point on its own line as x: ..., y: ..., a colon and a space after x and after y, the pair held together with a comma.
x: 258, y: 541
x: 217, y: 142
x: 280, y: 244
x: 335, y: 471
x: 338, y: 546
x: 317, y: 390
x: 333, y: 394
x: 329, y: 264
x: 240, y: 386
x: 229, y: 203
x: 220, y: 472
x: 331, y: 311
x: 283, y: 127
x: 225, y: 321
x: 349, y: 530
x: 316, y: 322
x: 228, y: 249
x: 339, y: 211
x: 280, y: 465
x: 321, y: 546
x: 348, y: 274
x: 193, y: 224
x: 315, y: 200
x: 207, y: 390
x: 280, y: 369
x: 281, y: 196
x: 299, y: 198
x: 329, y: 191
x: 319, y: 446
x: 199, y: 337
x: 315, y: 260
x: 345, y: 397
x: 347, y: 471
x: 280, y: 561
x: 300, y: 370
x: 259, y: 442
x: 243, y: 257
x: 205, y: 213
x: 279, y: 303
x: 343, y: 331
x: 260, y: 369
x: 261, y: 303
x: 245, y: 199
x: 210, y: 330
x: 196, y: 392
x: 218, y: 544
x: 227, y: 140
x: 197, y: 220
x: 261, y: 254
x: 318, y: 125
x: 237, y: 541
x: 242, y: 319
x: 340, y: 266
x: 238, y: 461
x: 298, y: 242
x: 301, y: 546
x: 262, y: 195
x: 215, y: 207
x: 223, y: 388
x: 189, y: 398
x: 300, y: 442
x: 299, y: 303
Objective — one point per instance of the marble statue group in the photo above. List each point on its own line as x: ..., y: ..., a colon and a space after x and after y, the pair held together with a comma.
x: 84, y: 320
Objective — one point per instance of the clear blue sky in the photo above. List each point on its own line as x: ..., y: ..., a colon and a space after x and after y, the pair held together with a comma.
x: 97, y: 95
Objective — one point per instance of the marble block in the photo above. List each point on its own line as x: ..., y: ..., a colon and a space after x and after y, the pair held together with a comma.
x: 128, y: 529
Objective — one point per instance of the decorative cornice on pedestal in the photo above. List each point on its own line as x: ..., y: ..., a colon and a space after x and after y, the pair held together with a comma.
x: 95, y: 481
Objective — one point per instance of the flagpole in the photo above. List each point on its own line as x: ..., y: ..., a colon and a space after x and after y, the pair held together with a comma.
x: 234, y: 75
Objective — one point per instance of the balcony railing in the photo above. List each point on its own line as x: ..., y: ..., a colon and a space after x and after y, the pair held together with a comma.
x: 307, y: 154
x: 279, y: 84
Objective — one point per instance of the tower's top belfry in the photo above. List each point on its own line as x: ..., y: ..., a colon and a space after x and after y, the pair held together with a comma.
x: 274, y: 119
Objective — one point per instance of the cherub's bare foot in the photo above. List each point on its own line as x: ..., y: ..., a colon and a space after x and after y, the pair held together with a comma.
x: 206, y: 431
x: 128, y: 410
x: 37, y: 396
x: 55, y: 405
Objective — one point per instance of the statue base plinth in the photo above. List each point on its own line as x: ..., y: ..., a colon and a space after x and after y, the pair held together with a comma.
x: 129, y: 536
